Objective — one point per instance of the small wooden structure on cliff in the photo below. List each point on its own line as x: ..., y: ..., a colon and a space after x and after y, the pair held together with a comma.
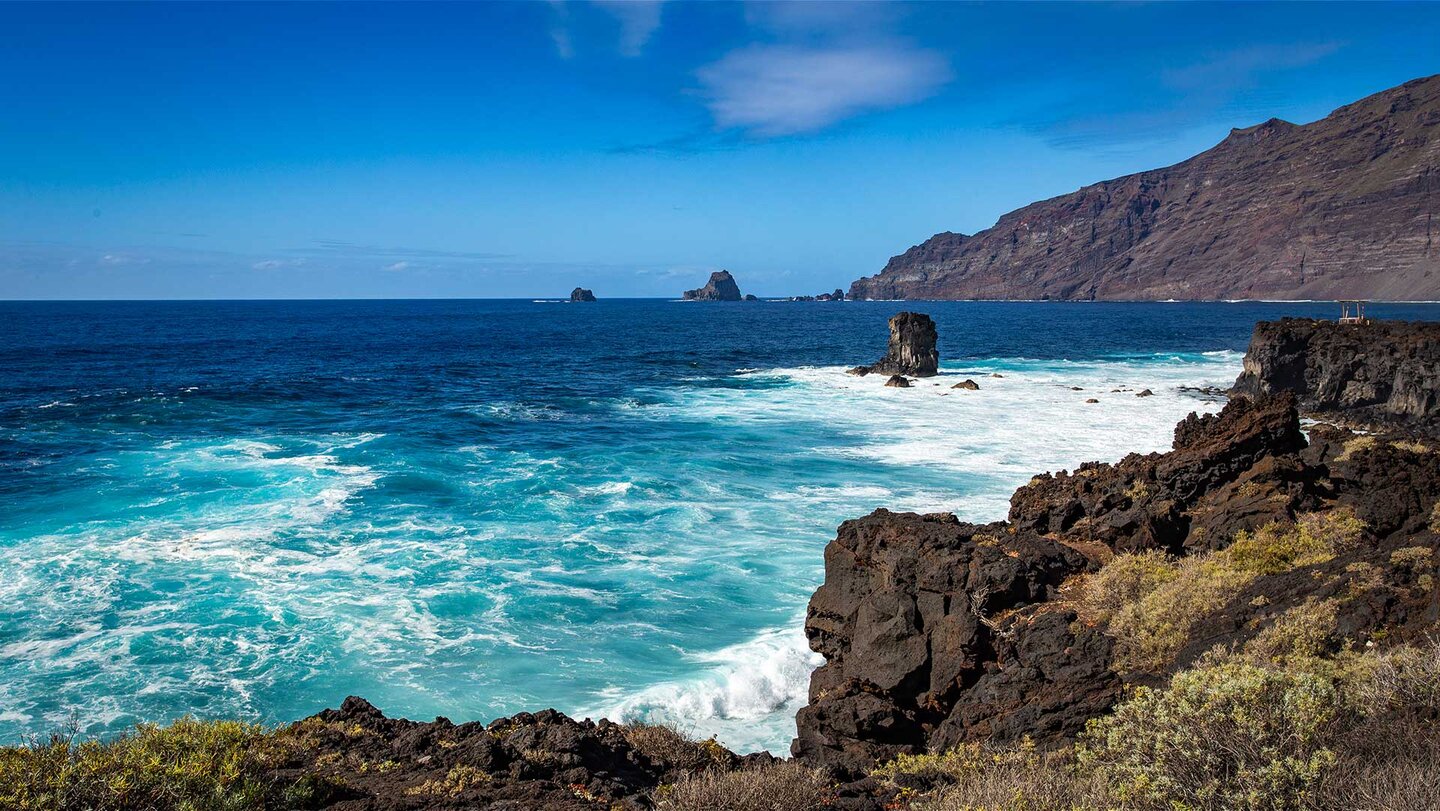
x: 1352, y: 311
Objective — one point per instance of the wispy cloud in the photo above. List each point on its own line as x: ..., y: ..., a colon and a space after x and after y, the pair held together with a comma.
x: 638, y: 20
x: 276, y: 264
x: 775, y: 90
x: 396, y: 267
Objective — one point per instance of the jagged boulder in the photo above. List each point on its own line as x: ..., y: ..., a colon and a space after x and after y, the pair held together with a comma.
x: 580, y: 294
x: 911, y: 351
x: 1149, y: 501
x: 721, y: 287
x: 912, y: 613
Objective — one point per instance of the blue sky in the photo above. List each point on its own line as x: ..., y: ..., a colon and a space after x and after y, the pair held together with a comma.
x: 210, y: 150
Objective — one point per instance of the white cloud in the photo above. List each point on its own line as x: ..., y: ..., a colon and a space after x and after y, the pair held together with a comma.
x: 397, y: 266
x: 117, y: 259
x: 773, y: 90
x: 1239, y: 68
x: 276, y: 264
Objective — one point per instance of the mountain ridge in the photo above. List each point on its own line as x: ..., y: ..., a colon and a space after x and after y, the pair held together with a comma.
x: 1343, y: 207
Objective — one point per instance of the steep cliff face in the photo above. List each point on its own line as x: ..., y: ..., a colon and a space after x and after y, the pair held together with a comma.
x: 1385, y: 371
x: 1345, y: 207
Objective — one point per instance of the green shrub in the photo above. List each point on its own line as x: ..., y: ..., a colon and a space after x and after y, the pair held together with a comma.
x: 976, y: 778
x: 1150, y: 632
x: 1125, y: 580
x: 1229, y: 736
x: 1280, y: 547
x: 188, y: 766
x: 1303, y: 631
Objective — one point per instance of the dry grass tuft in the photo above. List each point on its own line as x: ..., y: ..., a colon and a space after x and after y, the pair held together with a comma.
x: 783, y: 786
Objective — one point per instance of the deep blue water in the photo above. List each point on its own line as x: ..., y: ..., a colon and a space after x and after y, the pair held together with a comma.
x: 470, y: 508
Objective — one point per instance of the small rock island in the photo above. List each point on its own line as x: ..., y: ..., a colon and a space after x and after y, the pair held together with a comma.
x: 582, y: 294
x: 912, y: 349
x: 721, y: 287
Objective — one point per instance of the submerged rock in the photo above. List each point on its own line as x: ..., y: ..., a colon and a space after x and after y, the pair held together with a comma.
x: 968, y: 385
x: 581, y: 294
x: 911, y: 351
x: 897, y: 382
x: 721, y: 287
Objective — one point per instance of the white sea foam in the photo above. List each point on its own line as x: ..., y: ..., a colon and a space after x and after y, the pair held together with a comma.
x: 747, y: 693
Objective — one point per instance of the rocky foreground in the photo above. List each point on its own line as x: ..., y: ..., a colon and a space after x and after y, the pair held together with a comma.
x: 1339, y: 208
x: 1245, y: 621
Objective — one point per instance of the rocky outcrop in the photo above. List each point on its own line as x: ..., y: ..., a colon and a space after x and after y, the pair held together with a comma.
x: 1152, y: 501
x: 1345, y: 207
x: 911, y: 351
x: 937, y: 632
x: 581, y: 294
x: 912, y: 619
x: 897, y: 382
x: 721, y: 287
x: 1373, y: 372
x: 367, y: 762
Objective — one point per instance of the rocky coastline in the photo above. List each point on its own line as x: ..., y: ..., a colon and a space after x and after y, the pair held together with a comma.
x: 1251, y: 547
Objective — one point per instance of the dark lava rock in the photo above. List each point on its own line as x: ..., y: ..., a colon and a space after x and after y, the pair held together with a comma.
x: 911, y: 351
x: 581, y: 294
x: 937, y: 632
x: 751, y: 297
x: 897, y: 382
x: 1092, y: 400
x: 1150, y: 501
x: 1145, y: 393
x: 1384, y: 372
x: 721, y: 287
x: 968, y: 385
x: 915, y: 613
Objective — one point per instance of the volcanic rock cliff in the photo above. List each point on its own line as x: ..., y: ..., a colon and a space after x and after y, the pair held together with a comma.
x: 1345, y: 207
x: 937, y: 632
x: 1387, y: 371
x: 911, y: 350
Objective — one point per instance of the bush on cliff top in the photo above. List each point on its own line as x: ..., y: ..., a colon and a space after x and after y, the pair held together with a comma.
x: 1231, y: 736
x: 1150, y: 604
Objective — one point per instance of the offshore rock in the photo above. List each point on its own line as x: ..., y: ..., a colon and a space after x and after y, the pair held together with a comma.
x: 1376, y: 372
x: 897, y: 382
x: 911, y: 351
x: 721, y: 287
x: 968, y: 385
x: 581, y: 294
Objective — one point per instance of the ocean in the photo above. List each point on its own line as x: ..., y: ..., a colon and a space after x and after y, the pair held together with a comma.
x: 473, y: 508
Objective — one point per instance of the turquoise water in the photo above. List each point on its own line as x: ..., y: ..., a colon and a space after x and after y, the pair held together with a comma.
x: 471, y: 508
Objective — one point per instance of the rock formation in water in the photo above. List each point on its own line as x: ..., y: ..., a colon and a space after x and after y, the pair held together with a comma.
x: 936, y: 632
x: 581, y: 294
x: 911, y: 350
x: 1385, y: 371
x: 721, y: 287
x: 1345, y: 207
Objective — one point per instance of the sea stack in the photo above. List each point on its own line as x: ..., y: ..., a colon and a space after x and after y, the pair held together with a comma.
x: 581, y: 294
x: 912, y: 349
x: 721, y: 287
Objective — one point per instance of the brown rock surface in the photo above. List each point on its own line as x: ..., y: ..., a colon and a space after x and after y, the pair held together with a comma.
x: 1345, y: 207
